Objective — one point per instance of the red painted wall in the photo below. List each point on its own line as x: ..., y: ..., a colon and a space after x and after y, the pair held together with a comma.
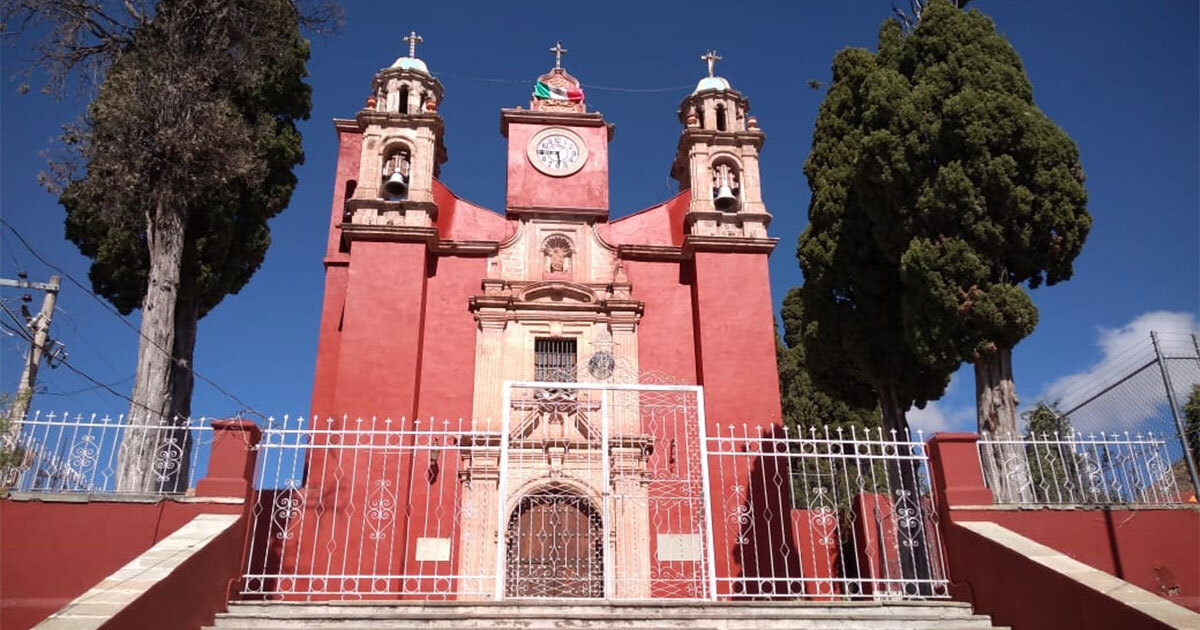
x: 1155, y: 549
x: 735, y: 340
x: 448, y: 357
x: 1018, y: 592
x: 1158, y: 550
x: 380, y: 340
x: 336, y: 261
x: 665, y: 332
x: 55, y: 551
x: 585, y: 190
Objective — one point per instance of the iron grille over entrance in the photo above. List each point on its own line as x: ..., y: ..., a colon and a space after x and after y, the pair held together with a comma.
x: 555, y: 360
x: 554, y: 547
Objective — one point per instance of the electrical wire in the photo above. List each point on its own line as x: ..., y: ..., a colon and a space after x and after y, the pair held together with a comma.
x: 110, y: 309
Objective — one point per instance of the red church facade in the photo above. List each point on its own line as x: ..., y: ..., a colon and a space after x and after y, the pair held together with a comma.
x: 434, y: 305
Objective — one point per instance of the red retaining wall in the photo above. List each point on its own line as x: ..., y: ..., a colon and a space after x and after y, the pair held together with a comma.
x: 54, y: 551
x: 56, y: 547
x: 1155, y: 549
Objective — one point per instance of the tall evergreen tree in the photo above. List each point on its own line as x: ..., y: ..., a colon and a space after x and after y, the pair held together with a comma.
x: 805, y: 405
x: 939, y: 190
x: 185, y: 152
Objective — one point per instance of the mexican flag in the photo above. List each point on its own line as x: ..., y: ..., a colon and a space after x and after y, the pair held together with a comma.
x: 541, y: 90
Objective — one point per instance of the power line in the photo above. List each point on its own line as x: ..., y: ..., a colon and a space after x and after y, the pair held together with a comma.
x: 67, y: 364
x: 99, y: 300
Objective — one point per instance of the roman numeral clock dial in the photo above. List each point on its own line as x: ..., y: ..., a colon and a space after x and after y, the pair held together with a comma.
x: 557, y: 152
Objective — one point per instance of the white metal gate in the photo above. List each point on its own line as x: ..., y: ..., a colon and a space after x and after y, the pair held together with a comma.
x: 603, y: 491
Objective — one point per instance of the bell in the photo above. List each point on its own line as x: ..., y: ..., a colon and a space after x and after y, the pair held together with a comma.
x: 395, y: 186
x: 725, y: 199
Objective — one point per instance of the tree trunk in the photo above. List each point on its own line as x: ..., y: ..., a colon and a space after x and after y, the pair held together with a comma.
x: 149, y: 461
x: 889, y: 408
x: 187, y: 315
x: 996, y: 406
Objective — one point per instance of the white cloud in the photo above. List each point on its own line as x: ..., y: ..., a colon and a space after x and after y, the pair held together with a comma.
x: 1124, y: 390
x: 940, y: 416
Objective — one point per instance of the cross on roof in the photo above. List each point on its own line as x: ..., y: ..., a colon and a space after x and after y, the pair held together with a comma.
x: 711, y: 57
x: 412, y: 39
x: 558, y: 51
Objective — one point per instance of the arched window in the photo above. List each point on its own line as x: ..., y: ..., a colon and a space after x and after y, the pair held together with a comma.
x: 720, y: 118
x: 403, y: 106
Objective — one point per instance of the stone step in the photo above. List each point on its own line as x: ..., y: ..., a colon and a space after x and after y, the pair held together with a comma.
x: 576, y: 615
x: 651, y: 608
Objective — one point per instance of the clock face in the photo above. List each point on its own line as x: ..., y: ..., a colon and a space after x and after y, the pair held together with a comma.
x: 557, y: 152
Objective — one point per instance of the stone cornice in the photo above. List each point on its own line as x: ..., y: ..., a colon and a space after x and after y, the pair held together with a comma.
x: 558, y: 213
x: 390, y: 233
x: 566, y: 119
x: 650, y: 252
x: 384, y: 205
x: 346, y: 125
x: 466, y: 248
x: 729, y: 244
x: 366, y: 117
x: 503, y: 301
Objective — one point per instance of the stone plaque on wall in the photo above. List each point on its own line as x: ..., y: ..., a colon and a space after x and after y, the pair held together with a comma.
x: 678, y: 548
x: 433, y: 549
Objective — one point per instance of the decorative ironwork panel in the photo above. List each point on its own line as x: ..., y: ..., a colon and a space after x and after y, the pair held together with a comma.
x: 67, y: 453
x: 1100, y: 469
x: 824, y: 515
x: 354, y: 508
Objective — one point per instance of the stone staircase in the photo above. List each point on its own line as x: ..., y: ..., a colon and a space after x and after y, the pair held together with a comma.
x: 580, y: 615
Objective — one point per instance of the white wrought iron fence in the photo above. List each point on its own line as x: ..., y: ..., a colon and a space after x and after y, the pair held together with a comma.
x: 1099, y: 469
x: 75, y: 453
x: 825, y: 514
x: 351, y: 508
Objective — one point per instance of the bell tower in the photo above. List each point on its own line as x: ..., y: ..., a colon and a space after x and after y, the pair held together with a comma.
x: 717, y: 160
x: 402, y: 147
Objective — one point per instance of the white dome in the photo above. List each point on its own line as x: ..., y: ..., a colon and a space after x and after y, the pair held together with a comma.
x: 712, y: 83
x: 411, y: 63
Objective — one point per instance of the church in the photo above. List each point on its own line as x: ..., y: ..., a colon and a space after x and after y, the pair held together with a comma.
x: 590, y: 356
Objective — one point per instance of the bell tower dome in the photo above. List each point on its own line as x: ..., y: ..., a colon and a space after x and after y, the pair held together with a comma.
x: 402, y: 149
x: 717, y: 160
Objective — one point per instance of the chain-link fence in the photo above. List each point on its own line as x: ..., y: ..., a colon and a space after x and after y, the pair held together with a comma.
x: 1144, y: 392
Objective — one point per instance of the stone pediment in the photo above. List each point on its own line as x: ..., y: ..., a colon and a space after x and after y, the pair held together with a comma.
x: 557, y: 291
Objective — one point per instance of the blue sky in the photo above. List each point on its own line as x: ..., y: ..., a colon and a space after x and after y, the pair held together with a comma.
x: 1123, y: 83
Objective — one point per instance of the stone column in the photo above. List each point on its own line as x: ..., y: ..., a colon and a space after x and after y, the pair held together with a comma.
x: 489, y: 372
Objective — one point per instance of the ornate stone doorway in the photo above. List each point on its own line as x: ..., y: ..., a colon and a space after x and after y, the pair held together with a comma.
x: 554, y: 546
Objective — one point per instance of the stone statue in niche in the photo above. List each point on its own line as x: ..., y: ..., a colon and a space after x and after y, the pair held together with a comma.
x: 557, y: 255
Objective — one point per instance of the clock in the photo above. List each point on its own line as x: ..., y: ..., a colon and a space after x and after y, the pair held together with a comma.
x: 557, y: 152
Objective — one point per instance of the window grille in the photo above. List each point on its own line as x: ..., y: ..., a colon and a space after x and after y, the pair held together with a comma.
x: 555, y: 360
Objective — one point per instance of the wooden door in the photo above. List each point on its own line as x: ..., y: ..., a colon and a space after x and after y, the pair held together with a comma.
x: 553, y: 548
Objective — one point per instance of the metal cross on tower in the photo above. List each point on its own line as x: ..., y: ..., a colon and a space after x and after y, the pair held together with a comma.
x: 711, y: 57
x: 412, y: 39
x: 558, y: 51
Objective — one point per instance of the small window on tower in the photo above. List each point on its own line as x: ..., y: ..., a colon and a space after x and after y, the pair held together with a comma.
x: 555, y: 360
x: 720, y: 118
x: 402, y: 106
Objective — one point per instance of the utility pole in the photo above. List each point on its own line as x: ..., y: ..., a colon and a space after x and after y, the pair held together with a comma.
x: 40, y: 326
